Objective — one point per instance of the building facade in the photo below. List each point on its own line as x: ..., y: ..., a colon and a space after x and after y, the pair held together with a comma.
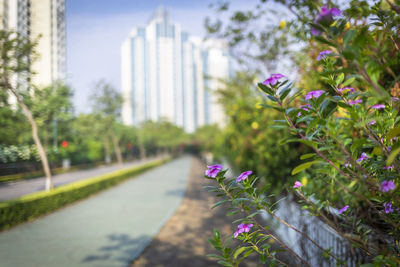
x: 168, y: 74
x: 42, y: 21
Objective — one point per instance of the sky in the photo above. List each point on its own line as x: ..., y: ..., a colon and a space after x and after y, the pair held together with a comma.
x: 97, y: 28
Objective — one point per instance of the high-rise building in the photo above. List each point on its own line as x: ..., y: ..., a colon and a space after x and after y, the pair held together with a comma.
x: 168, y: 74
x: 44, y: 19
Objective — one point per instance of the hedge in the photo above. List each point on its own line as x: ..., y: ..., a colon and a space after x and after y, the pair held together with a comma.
x: 31, y: 206
x: 39, y: 173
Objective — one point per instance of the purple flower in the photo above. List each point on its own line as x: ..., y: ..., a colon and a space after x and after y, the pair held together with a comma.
x: 395, y: 99
x: 388, y: 167
x: 315, y: 32
x: 389, y: 148
x: 242, y: 228
x: 273, y: 79
x: 379, y: 106
x: 304, y: 107
x: 387, y: 186
x: 363, y: 157
x: 343, y: 209
x: 388, y: 207
x: 297, y: 184
x: 346, y: 89
x: 325, y: 18
x: 353, y: 102
x: 213, y: 170
x: 348, y: 164
x: 314, y: 94
x: 243, y: 176
x: 373, y: 122
x: 323, y: 54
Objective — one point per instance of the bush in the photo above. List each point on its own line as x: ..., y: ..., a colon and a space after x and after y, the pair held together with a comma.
x: 37, y: 204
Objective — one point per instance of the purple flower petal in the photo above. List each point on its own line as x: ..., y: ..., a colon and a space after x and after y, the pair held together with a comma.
x: 213, y: 170
x: 315, y: 32
x: 243, y: 176
x: 242, y: 228
x: 379, y: 106
x: 387, y: 186
x: 353, y: 102
x: 335, y: 11
x: 363, y: 157
x: 314, y: 94
x: 343, y: 209
x: 346, y: 89
x: 273, y: 79
x: 373, y: 122
x: 388, y: 207
x: 297, y: 184
x: 323, y: 54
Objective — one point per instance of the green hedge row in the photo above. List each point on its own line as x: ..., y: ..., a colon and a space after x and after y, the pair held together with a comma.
x: 35, y: 174
x: 37, y: 204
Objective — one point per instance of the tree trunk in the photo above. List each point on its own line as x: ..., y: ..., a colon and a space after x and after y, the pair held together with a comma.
x: 142, y: 152
x: 42, y: 153
x: 117, y: 150
x: 107, y: 157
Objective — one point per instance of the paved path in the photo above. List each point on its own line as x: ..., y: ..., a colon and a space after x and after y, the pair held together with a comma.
x: 108, y: 229
x: 15, y: 189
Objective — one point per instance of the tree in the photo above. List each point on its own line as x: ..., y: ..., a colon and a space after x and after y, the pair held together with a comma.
x: 107, y: 104
x: 49, y: 104
x: 16, y: 54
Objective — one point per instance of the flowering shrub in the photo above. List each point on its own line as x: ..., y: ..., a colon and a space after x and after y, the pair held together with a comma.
x: 351, y: 124
x: 16, y: 153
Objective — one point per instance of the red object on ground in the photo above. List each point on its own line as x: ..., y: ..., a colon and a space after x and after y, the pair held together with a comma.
x: 64, y: 144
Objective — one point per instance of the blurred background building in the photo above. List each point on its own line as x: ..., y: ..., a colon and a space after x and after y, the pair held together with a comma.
x: 168, y: 74
x: 44, y: 18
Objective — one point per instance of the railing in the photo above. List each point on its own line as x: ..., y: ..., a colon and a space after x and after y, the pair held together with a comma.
x: 318, y: 231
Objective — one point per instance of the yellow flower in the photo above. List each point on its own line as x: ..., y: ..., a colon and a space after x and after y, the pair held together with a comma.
x: 334, y: 23
x: 304, y: 180
x: 282, y: 24
x: 347, y: 26
x: 254, y: 125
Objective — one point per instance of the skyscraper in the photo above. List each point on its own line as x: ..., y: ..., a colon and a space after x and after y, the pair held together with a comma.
x: 44, y: 18
x: 164, y: 74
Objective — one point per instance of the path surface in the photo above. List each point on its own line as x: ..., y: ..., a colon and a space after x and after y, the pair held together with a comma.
x: 15, y: 189
x: 108, y: 229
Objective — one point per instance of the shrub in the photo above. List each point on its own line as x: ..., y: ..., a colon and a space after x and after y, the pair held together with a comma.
x: 37, y: 204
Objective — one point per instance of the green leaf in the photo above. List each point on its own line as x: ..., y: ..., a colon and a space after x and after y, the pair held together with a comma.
x: 304, y: 166
x: 265, y: 89
x: 238, y: 251
x: 393, y: 132
x: 215, y: 256
x: 224, y: 263
x: 392, y: 156
x: 269, y: 106
x: 272, y: 98
x: 349, y: 81
x: 217, y: 235
x: 307, y: 156
x: 339, y: 79
x: 219, y: 203
x: 349, y: 36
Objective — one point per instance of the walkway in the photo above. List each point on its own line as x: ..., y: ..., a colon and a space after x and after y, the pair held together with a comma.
x: 108, y: 229
x: 15, y: 189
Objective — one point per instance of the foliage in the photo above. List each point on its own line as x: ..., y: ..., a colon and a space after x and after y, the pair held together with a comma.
x: 161, y: 134
x: 37, y: 204
x: 16, y: 153
x: 50, y: 104
x: 350, y: 122
x: 249, y: 138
